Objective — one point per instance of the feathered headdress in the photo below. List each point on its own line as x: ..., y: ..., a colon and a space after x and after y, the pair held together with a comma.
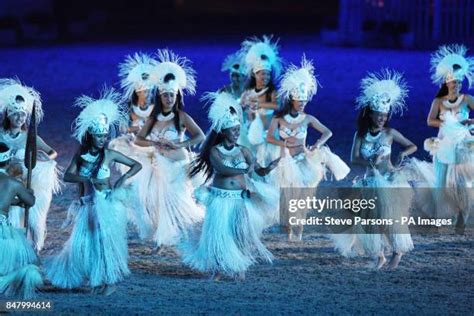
x: 262, y: 54
x: 224, y: 112
x: 180, y: 68
x: 99, y: 115
x: 16, y: 97
x: 450, y: 63
x: 383, y: 92
x: 137, y: 73
x: 299, y: 83
x: 234, y: 63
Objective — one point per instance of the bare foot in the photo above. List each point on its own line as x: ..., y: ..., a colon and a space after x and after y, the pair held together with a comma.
x: 395, y: 260
x: 241, y: 276
x: 97, y: 290
x: 380, y: 262
x: 216, y: 276
x: 109, y: 289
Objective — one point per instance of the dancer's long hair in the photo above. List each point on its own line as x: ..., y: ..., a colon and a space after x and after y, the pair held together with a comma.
x: 203, y: 160
x: 364, y: 121
x: 443, y: 91
x: 286, y: 107
x: 178, y: 106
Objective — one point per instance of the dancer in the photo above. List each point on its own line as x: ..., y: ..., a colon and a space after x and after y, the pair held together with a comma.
x: 138, y: 81
x: 16, y: 104
x: 301, y: 167
x: 96, y: 253
x: 234, y: 64
x: 19, y: 274
x: 453, y: 149
x: 235, y: 204
x: 382, y: 95
x: 167, y: 193
x: 259, y: 100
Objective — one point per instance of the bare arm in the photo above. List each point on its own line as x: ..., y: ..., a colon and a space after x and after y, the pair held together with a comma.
x: 251, y: 161
x: 325, y: 132
x: 40, y: 143
x: 143, y: 133
x: 135, y: 166
x: 433, y: 119
x: 356, y: 158
x: 197, y: 135
x: 271, y: 131
x: 24, y: 195
x: 71, y: 172
x: 269, y: 105
x: 410, y: 148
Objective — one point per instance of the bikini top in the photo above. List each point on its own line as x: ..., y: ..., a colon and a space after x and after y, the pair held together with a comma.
x: 233, y: 158
x: 299, y: 132
x: 374, y: 145
x: 103, y: 173
x: 16, y: 144
x: 459, y: 109
x: 169, y: 133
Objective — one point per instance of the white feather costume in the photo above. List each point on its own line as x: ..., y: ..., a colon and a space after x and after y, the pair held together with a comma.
x: 260, y: 54
x: 163, y: 191
x: 383, y: 92
x: 96, y: 253
x: 228, y: 241
x: 308, y: 168
x: 45, y: 177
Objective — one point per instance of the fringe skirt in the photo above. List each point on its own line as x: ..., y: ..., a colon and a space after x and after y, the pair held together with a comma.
x: 228, y: 241
x: 96, y: 252
x: 389, y: 205
x: 19, y: 274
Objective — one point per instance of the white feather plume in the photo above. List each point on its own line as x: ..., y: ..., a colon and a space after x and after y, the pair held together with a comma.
x: 254, y: 48
x: 138, y: 71
x: 108, y: 104
x: 220, y: 111
x: 297, y: 77
x: 443, y: 60
x: 10, y: 89
x: 234, y: 63
x: 387, y: 84
x: 180, y: 67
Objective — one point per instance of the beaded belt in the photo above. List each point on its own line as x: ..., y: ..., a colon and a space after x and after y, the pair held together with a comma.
x: 229, y: 194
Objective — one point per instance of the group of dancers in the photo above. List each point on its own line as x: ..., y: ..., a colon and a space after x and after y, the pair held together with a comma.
x: 214, y: 205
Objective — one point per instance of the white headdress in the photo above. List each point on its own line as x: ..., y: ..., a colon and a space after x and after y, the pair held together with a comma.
x: 262, y: 55
x: 180, y: 68
x: 234, y: 63
x: 383, y: 92
x: 299, y: 83
x: 99, y: 115
x: 224, y: 112
x: 450, y: 63
x: 16, y: 97
x: 5, y: 156
x: 137, y: 73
